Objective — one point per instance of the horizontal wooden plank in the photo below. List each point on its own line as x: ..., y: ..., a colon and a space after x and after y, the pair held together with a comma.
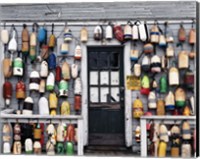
x: 167, y: 117
x: 16, y: 116
x: 115, y: 10
x: 85, y: 4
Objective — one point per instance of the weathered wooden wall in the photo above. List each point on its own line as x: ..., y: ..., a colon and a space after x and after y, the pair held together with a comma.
x: 75, y: 31
x: 183, y: 10
x: 101, y: 11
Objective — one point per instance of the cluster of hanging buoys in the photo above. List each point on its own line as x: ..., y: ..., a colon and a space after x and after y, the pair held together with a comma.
x: 53, y: 76
x: 175, y: 77
x: 179, y: 137
x: 164, y: 96
x: 61, y: 138
x: 166, y: 81
x: 136, y: 31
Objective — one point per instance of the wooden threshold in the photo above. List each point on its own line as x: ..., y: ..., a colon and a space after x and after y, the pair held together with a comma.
x: 108, y: 151
x: 100, y: 139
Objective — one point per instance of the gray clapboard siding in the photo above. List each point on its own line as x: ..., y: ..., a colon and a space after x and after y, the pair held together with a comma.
x: 178, y: 10
x: 76, y: 33
x: 96, y: 11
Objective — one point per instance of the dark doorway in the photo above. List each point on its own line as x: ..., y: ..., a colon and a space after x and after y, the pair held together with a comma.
x: 106, y: 96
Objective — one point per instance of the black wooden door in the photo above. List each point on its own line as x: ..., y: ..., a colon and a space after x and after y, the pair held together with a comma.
x: 106, y: 95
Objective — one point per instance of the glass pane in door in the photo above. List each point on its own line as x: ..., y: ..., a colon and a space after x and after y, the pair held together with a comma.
x: 104, y: 94
x: 114, y: 60
x: 115, y: 95
x: 103, y: 60
x: 94, y: 78
x: 93, y: 60
x: 94, y: 95
x: 104, y: 80
x: 115, y: 78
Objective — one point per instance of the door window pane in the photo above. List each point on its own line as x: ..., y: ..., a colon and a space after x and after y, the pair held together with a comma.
x: 115, y: 78
x: 94, y: 95
x: 93, y: 59
x: 94, y: 78
x: 114, y: 95
x: 114, y: 60
x: 104, y: 94
x: 103, y: 60
x: 104, y: 78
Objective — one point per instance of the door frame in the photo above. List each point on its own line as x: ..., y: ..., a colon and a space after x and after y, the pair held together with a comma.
x: 127, y: 93
x: 120, y: 50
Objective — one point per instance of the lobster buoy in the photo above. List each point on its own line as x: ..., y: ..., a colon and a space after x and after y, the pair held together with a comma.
x: 7, y: 92
x: 28, y: 106
x: 34, y: 81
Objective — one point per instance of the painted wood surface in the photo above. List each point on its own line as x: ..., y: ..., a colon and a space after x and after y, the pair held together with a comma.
x: 35, y: 116
x: 163, y: 117
x: 98, y: 11
x: 128, y: 98
x: 128, y: 107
